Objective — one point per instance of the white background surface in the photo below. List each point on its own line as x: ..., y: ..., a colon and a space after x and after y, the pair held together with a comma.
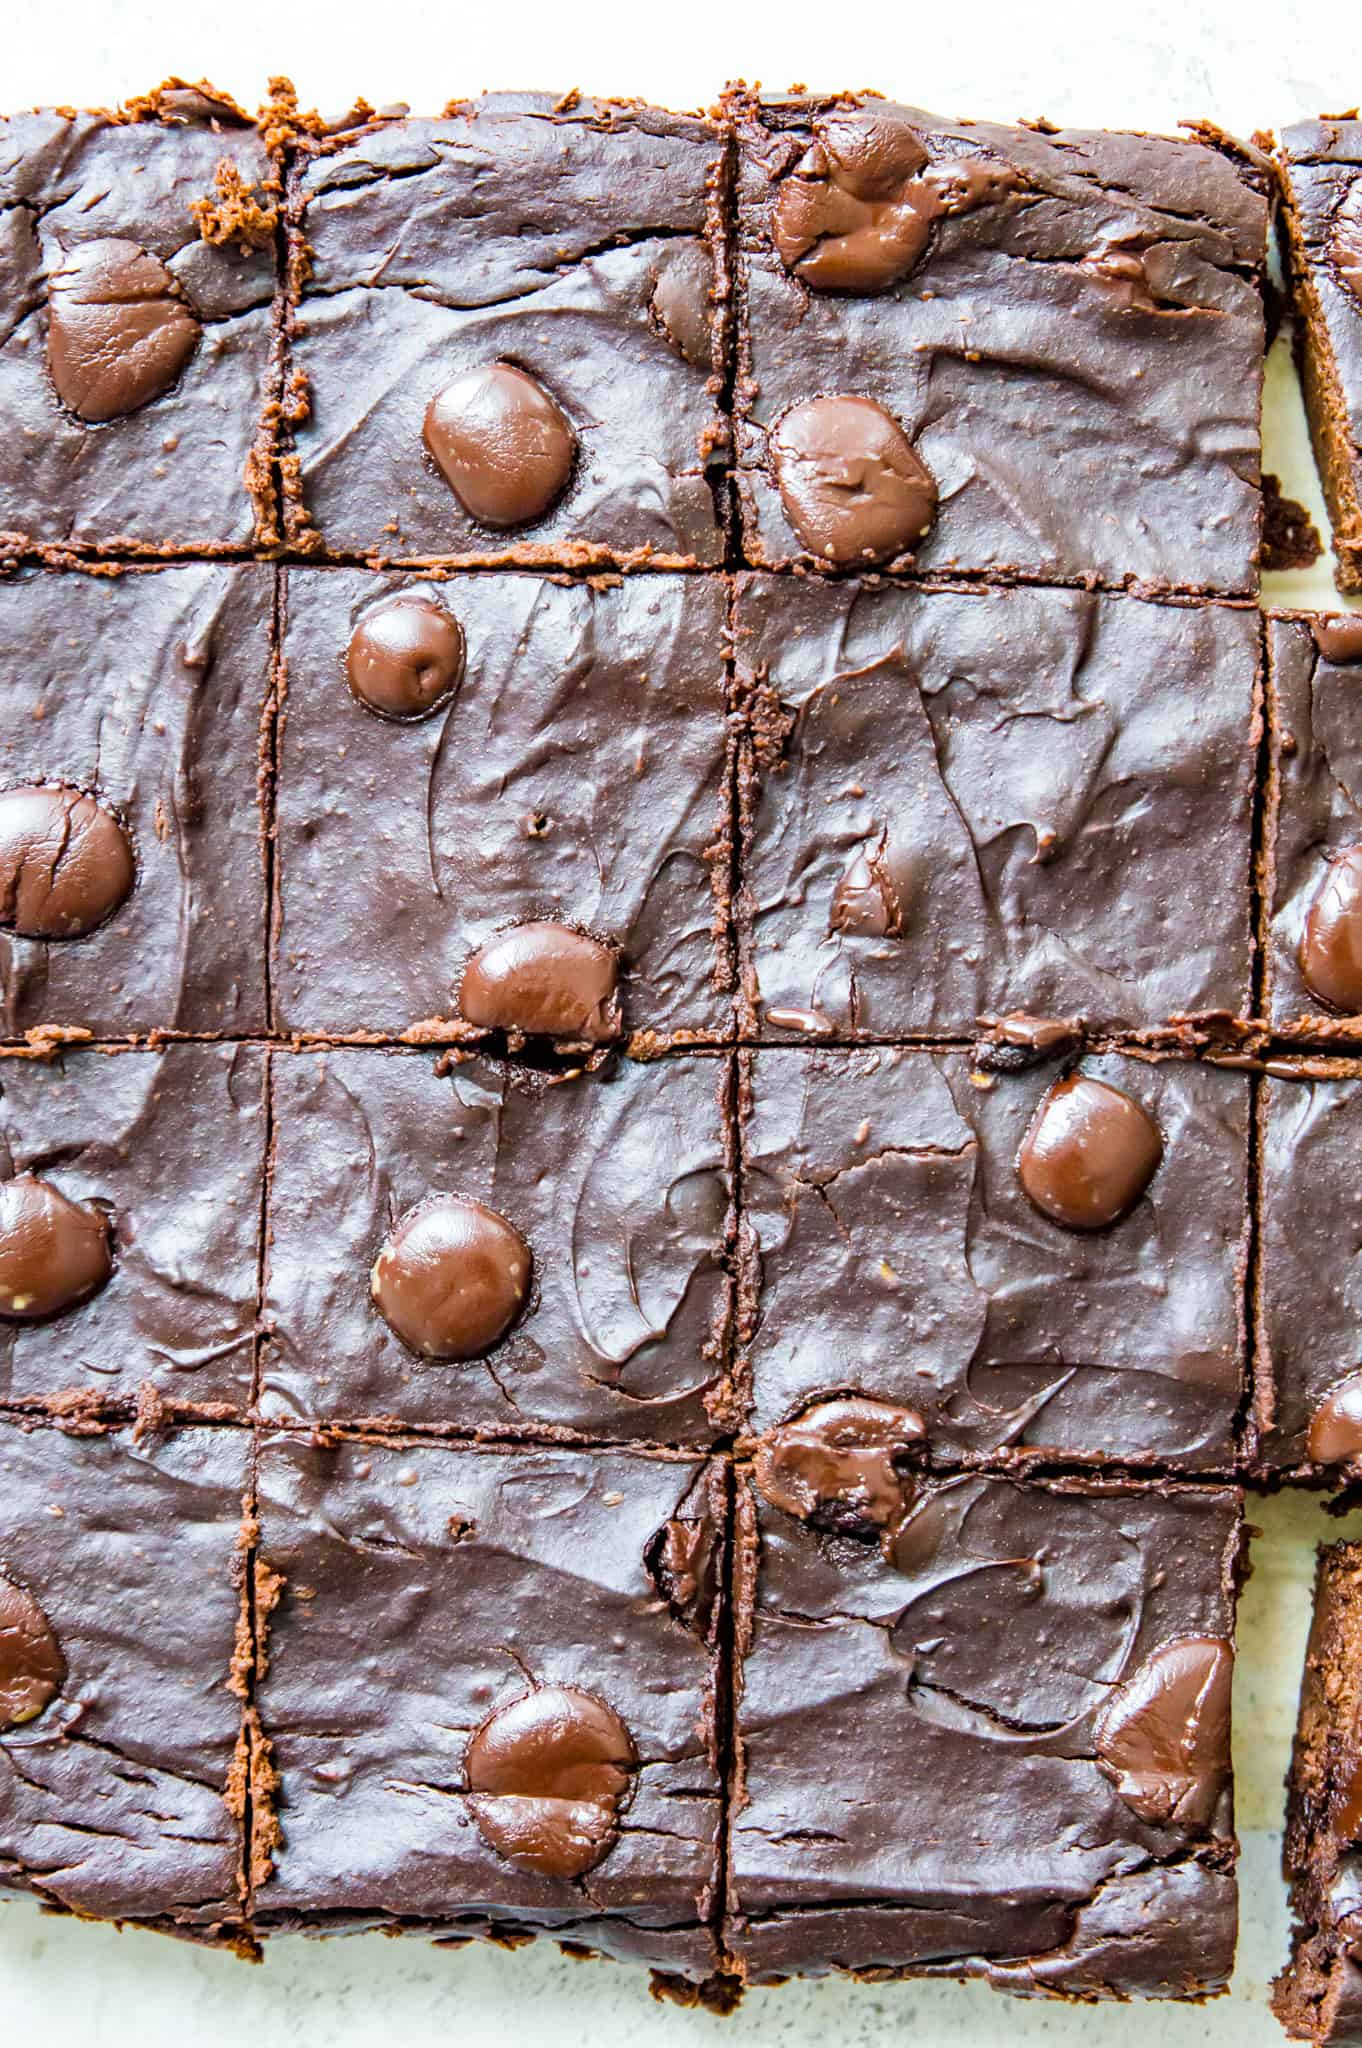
x: 1149, y: 63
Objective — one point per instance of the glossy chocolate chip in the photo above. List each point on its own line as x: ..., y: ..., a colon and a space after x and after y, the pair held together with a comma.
x: 501, y: 443
x: 32, y: 1667
x: 1089, y: 1155
x: 54, y: 1253
x: 680, y: 303
x: 835, y: 1465
x: 405, y: 658
x: 682, y: 1560
x: 65, y: 862
x: 548, y: 1777
x: 1339, y: 637
x: 865, y: 902
x: 119, y: 331
x: 1163, y: 1738
x: 853, y: 486
x: 1331, y: 944
x: 543, y: 978
x: 451, y: 1278
x: 1335, y: 1436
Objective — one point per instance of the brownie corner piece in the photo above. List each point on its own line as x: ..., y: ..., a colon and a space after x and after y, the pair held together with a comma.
x: 510, y: 336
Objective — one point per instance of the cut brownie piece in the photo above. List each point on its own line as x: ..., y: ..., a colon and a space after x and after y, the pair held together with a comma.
x: 487, y: 1249
x: 132, y: 871
x: 490, y: 1695
x: 118, y: 1628
x: 1040, y: 1264
x: 503, y: 802
x: 130, y: 1203
x: 978, y: 800
x: 983, y: 1729
x: 1009, y: 351
x: 509, y: 342
x: 137, y: 272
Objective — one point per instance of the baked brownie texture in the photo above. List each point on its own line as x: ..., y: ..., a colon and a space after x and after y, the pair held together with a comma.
x: 1064, y: 328
x: 896, y: 1187
x: 973, y: 801
x: 454, y: 1635
x: 137, y: 272
x: 118, y: 1721
x: 131, y: 1187
x: 616, y: 1184
x: 571, y: 772
x: 132, y: 863
x: 993, y: 1742
x: 1312, y: 881
x: 571, y: 244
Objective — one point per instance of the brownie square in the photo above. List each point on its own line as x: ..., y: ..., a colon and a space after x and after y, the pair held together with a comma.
x: 118, y: 1720
x: 617, y: 1187
x: 167, y: 1149
x: 142, y: 694
x: 454, y: 1584
x: 570, y: 769
x: 1064, y: 329
x: 135, y: 357
x: 993, y: 1743
x: 980, y: 800
x: 569, y: 241
x: 886, y: 1187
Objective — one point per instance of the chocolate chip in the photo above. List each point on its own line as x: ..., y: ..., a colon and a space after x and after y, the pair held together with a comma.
x: 1012, y: 1043
x: 1163, y: 1737
x: 65, y: 862
x: 837, y: 1465
x: 543, y: 978
x: 865, y: 901
x: 1089, y: 1155
x: 54, y: 1253
x: 853, y: 487
x: 680, y: 304
x: 1339, y: 637
x: 32, y: 1667
x: 405, y: 658
x: 501, y: 443
x: 451, y: 1278
x: 119, y: 331
x: 1336, y: 1426
x: 1331, y: 944
x: 548, y: 1777
x: 681, y: 1559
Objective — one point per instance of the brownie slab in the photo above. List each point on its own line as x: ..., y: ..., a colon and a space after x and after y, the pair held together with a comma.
x: 144, y: 692
x: 886, y: 1186
x: 990, y: 1738
x: 567, y: 241
x: 571, y: 771
x: 1064, y: 328
x: 135, y: 348
x: 614, y: 1186
x: 118, y: 1722
x: 473, y: 1594
x: 969, y: 801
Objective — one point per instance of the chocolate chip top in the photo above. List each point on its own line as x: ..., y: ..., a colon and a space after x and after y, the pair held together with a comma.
x: 868, y: 901
x: 1335, y: 1435
x: 502, y: 444
x: 681, y: 304
x: 547, y: 1779
x: 834, y: 1465
x: 1089, y: 1155
x: 853, y: 486
x: 1164, y: 1736
x: 451, y: 1278
x: 119, y: 332
x: 405, y: 658
x: 1339, y: 637
x: 1331, y: 944
x: 65, y: 862
x: 32, y: 1667
x: 54, y: 1253
x: 543, y: 978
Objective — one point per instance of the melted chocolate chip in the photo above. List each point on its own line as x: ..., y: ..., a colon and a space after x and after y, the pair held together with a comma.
x: 1089, y: 1155
x: 543, y: 978
x: 1163, y: 1737
x: 1339, y: 637
x: 835, y: 1465
x: 54, y: 1253
x: 119, y: 332
x: 682, y: 1561
x: 65, y: 862
x: 865, y: 901
x: 1012, y: 1043
x: 853, y: 486
x: 1124, y: 275
x: 405, y: 658
x: 680, y: 305
x: 1336, y: 1426
x: 451, y: 1278
x: 501, y: 443
x: 548, y: 1777
x: 1331, y: 944
x: 32, y: 1667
